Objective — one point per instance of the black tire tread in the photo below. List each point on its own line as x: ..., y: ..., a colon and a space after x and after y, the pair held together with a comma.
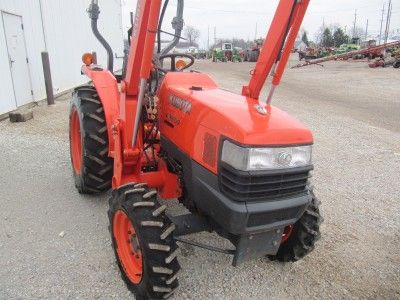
x: 160, y: 263
x: 97, y: 167
x: 306, y: 232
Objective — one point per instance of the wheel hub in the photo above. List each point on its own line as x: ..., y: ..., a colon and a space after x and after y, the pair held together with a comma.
x: 128, y: 247
x: 75, y: 139
x: 286, y: 233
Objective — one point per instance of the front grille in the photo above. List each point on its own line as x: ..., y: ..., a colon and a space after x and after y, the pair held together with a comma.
x: 251, y: 186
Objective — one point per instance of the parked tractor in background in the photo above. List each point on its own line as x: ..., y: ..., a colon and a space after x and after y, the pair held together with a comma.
x: 226, y: 53
x: 252, y: 54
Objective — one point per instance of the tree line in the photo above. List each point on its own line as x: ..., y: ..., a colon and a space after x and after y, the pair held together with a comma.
x: 332, y: 36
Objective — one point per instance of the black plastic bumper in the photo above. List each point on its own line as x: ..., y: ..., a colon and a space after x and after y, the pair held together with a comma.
x: 258, y: 226
x: 255, y: 227
x: 243, y: 217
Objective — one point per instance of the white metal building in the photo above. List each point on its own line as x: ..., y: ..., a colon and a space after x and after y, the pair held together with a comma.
x: 28, y: 27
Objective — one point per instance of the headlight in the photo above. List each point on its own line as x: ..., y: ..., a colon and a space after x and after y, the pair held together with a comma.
x: 252, y: 159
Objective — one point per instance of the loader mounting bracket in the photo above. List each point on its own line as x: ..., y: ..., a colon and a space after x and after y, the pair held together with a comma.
x: 189, y: 223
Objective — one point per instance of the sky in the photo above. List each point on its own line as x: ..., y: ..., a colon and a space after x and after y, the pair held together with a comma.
x: 251, y: 18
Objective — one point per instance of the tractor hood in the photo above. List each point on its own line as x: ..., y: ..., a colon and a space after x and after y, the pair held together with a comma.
x: 228, y: 114
x: 236, y: 117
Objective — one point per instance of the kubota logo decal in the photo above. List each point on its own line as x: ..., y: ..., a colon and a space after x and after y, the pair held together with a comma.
x: 180, y: 104
x: 284, y: 158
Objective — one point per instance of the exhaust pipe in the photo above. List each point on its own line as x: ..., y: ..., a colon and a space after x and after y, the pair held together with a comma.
x: 94, y: 12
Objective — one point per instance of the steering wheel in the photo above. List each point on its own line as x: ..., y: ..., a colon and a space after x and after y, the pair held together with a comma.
x: 173, y: 57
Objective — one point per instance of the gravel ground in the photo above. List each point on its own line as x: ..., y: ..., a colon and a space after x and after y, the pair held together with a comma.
x: 354, y: 113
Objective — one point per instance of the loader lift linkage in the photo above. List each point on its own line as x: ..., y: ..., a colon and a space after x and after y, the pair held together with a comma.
x: 240, y: 167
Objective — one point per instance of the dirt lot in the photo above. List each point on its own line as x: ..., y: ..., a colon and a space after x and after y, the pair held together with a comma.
x: 354, y: 113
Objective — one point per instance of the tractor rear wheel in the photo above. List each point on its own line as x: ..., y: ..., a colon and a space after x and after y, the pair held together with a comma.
x: 92, y: 168
x: 253, y: 56
x: 142, y: 238
x: 299, y: 239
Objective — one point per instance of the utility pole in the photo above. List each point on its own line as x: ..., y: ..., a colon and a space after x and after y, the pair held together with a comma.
x: 389, y: 15
x: 380, y: 31
x: 321, y: 37
x: 215, y: 36
x: 366, y: 31
x: 208, y: 38
x: 354, y: 24
x: 255, y: 34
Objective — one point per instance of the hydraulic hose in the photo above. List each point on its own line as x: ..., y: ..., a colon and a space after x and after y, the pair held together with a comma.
x: 160, y: 25
x: 177, y: 25
x: 94, y: 12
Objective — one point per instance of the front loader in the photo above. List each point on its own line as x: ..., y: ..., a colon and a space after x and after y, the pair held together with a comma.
x: 240, y: 167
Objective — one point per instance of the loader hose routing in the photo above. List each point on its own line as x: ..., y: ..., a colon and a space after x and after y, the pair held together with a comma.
x: 94, y: 12
x: 177, y: 25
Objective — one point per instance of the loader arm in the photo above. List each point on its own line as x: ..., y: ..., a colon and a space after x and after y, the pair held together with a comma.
x: 143, y: 38
x: 277, y: 46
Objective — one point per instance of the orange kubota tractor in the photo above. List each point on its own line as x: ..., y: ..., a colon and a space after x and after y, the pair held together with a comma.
x: 240, y: 166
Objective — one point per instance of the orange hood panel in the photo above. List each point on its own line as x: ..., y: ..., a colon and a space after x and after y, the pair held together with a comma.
x: 233, y: 115
x: 195, y: 114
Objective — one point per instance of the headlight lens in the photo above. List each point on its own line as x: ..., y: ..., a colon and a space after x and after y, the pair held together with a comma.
x: 252, y: 159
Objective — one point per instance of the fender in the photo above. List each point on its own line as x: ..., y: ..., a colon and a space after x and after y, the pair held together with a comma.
x: 107, y: 88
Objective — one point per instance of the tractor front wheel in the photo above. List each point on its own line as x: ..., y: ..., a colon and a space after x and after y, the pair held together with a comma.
x: 92, y: 168
x: 299, y: 239
x: 142, y: 238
